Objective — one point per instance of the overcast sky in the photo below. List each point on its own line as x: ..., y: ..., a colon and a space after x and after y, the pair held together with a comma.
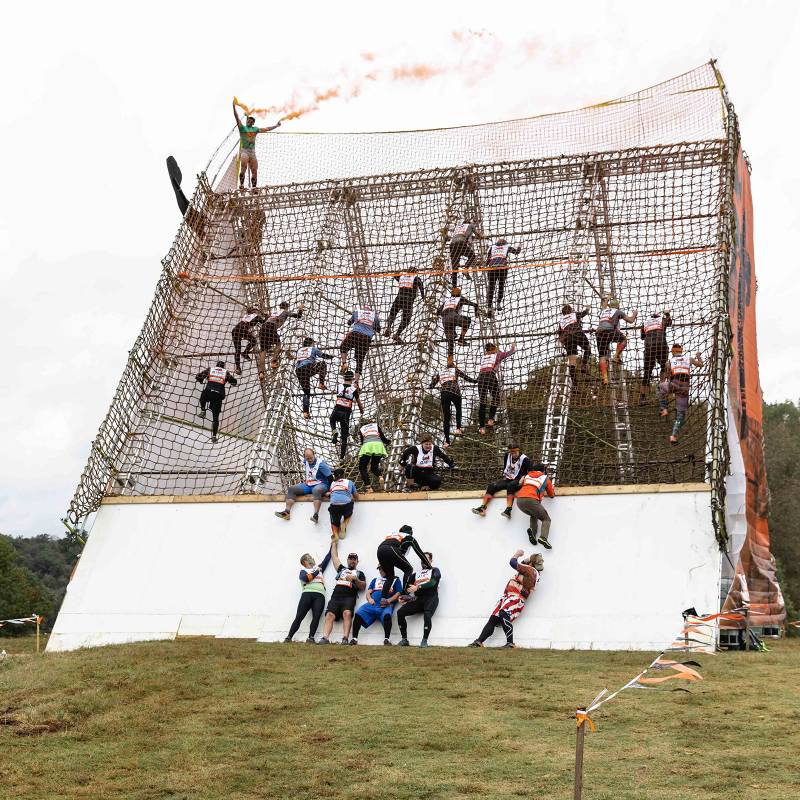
x: 96, y: 95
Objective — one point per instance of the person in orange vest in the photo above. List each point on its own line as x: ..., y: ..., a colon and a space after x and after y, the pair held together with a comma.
x: 512, y: 602
x: 213, y: 393
x: 488, y: 385
x: 676, y: 381
x: 532, y: 488
x: 608, y: 332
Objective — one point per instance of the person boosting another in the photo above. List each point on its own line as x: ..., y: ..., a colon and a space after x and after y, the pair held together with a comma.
x: 516, y: 465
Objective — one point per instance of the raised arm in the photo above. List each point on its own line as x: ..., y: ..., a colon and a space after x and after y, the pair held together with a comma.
x: 271, y: 128
x: 236, y: 115
x: 337, y: 564
x: 631, y: 317
x: 357, y: 398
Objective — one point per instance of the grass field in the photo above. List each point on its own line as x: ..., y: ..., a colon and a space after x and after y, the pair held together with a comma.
x: 234, y: 719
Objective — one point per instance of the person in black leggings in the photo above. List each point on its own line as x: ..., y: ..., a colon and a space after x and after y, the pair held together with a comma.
x: 410, y: 284
x: 424, y: 593
x: 346, y: 395
x: 312, y: 597
x: 450, y: 396
x: 391, y: 554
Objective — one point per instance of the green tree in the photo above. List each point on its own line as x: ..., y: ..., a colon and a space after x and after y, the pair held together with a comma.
x: 782, y: 450
x: 21, y: 592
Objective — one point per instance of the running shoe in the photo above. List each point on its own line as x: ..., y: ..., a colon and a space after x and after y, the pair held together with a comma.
x: 311, y: 640
x: 531, y: 537
x: 315, y: 518
x: 403, y: 643
x: 423, y: 643
x: 282, y: 514
x: 507, y: 513
x: 476, y: 643
x: 544, y: 543
x: 323, y: 640
x: 387, y: 643
x: 480, y: 511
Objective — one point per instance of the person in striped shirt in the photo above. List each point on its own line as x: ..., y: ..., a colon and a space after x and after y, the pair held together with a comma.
x: 514, y: 597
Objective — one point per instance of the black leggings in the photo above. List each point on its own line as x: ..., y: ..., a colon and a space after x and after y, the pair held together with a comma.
x: 488, y: 390
x: 449, y: 398
x: 358, y: 623
x: 374, y: 461
x: 212, y: 399
x: 359, y: 342
x: 304, y: 375
x: 458, y: 249
x: 422, y: 605
x: 423, y: 476
x: 450, y: 321
x: 242, y: 333
x: 390, y: 557
x: 501, y: 619
x: 309, y: 601
x: 497, y: 277
x: 655, y: 351
x: 404, y: 302
x: 341, y: 417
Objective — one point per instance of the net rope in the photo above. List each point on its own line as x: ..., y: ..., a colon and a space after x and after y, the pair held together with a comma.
x: 632, y: 209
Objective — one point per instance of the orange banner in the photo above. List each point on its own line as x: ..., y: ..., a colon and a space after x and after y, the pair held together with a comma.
x: 755, y: 568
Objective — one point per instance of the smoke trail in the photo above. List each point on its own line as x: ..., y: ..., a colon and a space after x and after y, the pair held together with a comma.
x: 348, y: 87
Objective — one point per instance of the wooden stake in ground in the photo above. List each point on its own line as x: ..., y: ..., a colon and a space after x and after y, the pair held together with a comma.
x: 38, y: 623
x: 580, y: 716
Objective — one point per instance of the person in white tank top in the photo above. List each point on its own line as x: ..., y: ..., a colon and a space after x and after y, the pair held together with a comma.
x: 676, y: 382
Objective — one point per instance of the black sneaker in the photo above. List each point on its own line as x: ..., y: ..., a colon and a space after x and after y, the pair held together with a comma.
x: 287, y: 639
x: 531, y: 537
x: 476, y: 643
x: 282, y: 514
x: 354, y: 641
x: 324, y: 640
x: 544, y: 543
x: 311, y: 640
x: 403, y: 643
x: 335, y: 437
x: 507, y: 513
x: 387, y: 642
x: 480, y: 511
x: 315, y: 518
x: 509, y: 644
x: 345, y: 640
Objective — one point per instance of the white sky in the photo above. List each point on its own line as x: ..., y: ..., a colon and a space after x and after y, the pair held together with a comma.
x: 95, y: 96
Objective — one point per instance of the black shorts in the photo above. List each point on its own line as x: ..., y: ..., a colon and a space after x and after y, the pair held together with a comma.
x: 605, y: 338
x: 573, y: 340
x: 338, y: 605
x: 340, y: 512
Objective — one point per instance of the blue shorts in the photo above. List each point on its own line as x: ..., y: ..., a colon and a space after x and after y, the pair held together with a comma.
x: 370, y: 614
x: 303, y: 488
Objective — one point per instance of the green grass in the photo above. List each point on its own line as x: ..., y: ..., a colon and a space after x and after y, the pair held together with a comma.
x: 233, y: 719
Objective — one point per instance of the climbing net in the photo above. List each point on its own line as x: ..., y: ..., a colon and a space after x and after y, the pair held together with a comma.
x: 642, y: 224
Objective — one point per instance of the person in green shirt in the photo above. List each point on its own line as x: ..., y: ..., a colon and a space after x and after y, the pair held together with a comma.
x: 247, y: 146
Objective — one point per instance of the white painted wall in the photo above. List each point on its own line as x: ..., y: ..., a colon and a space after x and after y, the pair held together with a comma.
x: 622, y: 569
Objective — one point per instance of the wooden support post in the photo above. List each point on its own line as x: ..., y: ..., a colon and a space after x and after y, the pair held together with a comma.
x: 581, y: 734
x: 747, y: 629
x: 38, y: 621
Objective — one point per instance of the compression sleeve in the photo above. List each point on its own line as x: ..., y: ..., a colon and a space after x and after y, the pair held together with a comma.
x: 418, y: 550
x: 325, y: 561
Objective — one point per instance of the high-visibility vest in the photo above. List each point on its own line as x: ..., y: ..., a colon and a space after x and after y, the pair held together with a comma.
x: 394, y: 537
x: 607, y: 315
x: 534, y: 484
x: 217, y: 375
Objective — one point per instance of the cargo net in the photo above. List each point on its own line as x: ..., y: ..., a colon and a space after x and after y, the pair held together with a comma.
x: 639, y: 226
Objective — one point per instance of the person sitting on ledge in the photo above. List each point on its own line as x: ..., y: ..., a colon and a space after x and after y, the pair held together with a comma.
x: 516, y: 465
x: 318, y: 476
x: 517, y: 591
x: 419, y: 464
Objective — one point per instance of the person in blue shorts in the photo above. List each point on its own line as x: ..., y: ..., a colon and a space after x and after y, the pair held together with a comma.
x: 377, y: 608
x: 318, y: 477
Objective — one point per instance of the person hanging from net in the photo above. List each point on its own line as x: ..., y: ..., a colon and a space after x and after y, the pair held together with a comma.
x: 269, y: 340
x: 365, y: 324
x: 343, y: 496
x: 450, y: 312
x: 409, y: 284
x: 419, y: 464
x: 309, y: 362
x: 656, y: 349
x: 676, y: 382
x: 312, y: 595
x: 317, y: 480
x: 422, y: 598
x: 489, y: 385
x: 608, y: 332
x: 532, y: 487
x: 512, y: 602
x: 346, y: 395
x: 461, y: 247
x: 450, y: 396
x: 372, y: 451
x: 213, y: 393
x: 245, y: 331
x: 515, y: 466
x: 572, y: 336
x: 247, y: 146
x: 497, y: 260
x: 391, y: 555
